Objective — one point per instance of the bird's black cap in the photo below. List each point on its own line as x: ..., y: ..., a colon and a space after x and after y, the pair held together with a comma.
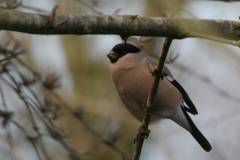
x: 125, y: 48
x: 121, y: 50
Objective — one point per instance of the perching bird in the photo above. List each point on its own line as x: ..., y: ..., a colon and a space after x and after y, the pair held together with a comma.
x: 130, y: 68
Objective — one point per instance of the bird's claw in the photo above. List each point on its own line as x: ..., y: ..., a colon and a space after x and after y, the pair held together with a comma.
x: 154, y: 71
x: 148, y: 112
x: 142, y: 134
x: 162, y: 76
x: 151, y: 73
x: 135, y: 139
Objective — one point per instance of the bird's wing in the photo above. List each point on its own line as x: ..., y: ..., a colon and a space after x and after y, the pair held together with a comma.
x: 196, y: 133
x: 187, y: 100
x: 192, y: 109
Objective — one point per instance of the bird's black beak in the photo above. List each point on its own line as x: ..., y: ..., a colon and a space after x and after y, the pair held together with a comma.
x: 112, y: 56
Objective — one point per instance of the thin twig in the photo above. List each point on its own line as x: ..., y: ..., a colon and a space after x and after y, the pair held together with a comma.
x: 3, y: 99
x: 39, y: 105
x: 28, y: 136
x: 9, y: 137
x: 72, y: 111
x: 151, y: 97
x: 31, y: 115
x: 89, y: 6
x: 52, y: 129
x: 20, y: 127
x: 213, y: 38
x: 207, y: 80
x: 58, y: 135
x: 116, y: 11
x: 43, y: 148
x: 86, y: 125
x: 33, y: 106
x: 37, y: 151
x: 19, y: 92
x: 35, y: 9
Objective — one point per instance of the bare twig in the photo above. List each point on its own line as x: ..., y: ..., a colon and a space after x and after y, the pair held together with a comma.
x: 35, y: 9
x: 11, y: 4
x: 116, y: 11
x: 3, y: 99
x: 90, y: 7
x: 49, y: 89
x: 19, y: 92
x: 86, y: 125
x: 54, y: 132
x: 35, y: 106
x: 170, y: 58
x: 13, y: 52
x: 151, y: 98
x: 216, y: 39
x: 208, y: 81
x: 32, y: 139
x: 33, y: 121
x: 9, y: 137
x: 37, y: 151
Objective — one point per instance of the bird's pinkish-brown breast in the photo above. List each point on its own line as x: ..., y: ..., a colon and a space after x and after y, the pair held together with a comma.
x: 133, y: 83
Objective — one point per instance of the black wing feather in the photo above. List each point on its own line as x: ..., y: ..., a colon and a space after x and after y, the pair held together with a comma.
x: 192, y: 109
x: 196, y: 133
x: 186, y: 98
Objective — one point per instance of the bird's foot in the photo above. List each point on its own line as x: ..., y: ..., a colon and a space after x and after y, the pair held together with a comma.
x: 154, y: 71
x: 161, y: 77
x: 151, y: 72
x: 142, y: 134
x: 148, y: 112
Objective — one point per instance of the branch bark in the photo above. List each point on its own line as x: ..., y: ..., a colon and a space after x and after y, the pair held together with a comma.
x: 151, y: 97
x: 125, y: 25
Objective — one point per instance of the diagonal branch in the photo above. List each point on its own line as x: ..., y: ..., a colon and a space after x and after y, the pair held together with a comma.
x: 125, y: 25
x: 151, y: 97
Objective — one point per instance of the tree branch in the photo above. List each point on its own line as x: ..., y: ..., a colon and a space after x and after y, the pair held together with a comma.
x: 151, y: 98
x: 125, y: 25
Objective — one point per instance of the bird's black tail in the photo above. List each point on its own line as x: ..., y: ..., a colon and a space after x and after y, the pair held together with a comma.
x: 196, y: 133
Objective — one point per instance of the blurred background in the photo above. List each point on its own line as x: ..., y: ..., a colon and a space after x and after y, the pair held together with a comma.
x: 208, y: 71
